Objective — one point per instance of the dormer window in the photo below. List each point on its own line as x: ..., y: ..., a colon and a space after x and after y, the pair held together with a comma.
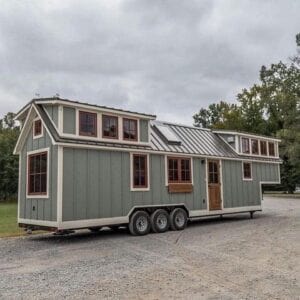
x: 263, y: 148
x: 245, y: 146
x: 109, y: 127
x: 254, y: 147
x: 87, y: 124
x: 271, y: 149
x: 130, y: 129
x: 37, y: 128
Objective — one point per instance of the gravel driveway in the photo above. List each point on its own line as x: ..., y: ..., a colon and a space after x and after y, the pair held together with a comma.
x: 236, y: 258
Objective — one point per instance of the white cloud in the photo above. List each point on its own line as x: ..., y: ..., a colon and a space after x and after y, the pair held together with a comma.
x: 164, y: 57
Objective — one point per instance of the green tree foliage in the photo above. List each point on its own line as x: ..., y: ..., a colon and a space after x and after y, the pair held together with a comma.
x: 9, y: 133
x: 271, y: 107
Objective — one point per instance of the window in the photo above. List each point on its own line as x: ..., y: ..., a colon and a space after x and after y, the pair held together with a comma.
x: 263, y: 148
x: 37, y: 128
x: 140, y: 171
x: 37, y: 174
x: 247, y: 171
x: 213, y: 172
x: 254, y: 147
x: 245, y: 145
x: 271, y: 149
x: 179, y: 170
x: 130, y: 129
x: 110, y: 127
x: 87, y: 123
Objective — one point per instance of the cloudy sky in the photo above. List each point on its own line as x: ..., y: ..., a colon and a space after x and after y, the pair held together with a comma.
x: 164, y: 57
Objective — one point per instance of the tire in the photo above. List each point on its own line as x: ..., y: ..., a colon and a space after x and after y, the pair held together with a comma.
x: 178, y: 219
x: 139, y: 223
x: 160, y: 221
x: 94, y: 229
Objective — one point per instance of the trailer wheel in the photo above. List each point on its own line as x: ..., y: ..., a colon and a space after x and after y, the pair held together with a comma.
x: 139, y: 223
x: 160, y: 221
x: 94, y: 229
x: 178, y: 219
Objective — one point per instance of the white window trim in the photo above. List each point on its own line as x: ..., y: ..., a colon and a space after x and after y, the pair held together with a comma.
x: 42, y: 128
x: 244, y: 178
x: 101, y: 121
x: 143, y: 189
x: 99, y: 136
x: 137, y: 129
x: 77, y: 125
x: 259, y: 151
x: 46, y: 196
x: 167, y: 170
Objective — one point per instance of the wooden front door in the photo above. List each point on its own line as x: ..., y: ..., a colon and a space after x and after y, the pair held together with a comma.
x: 214, y: 185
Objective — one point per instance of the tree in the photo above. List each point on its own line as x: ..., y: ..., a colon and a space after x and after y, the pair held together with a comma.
x: 222, y: 115
x: 271, y: 107
x: 296, y: 58
x: 9, y: 133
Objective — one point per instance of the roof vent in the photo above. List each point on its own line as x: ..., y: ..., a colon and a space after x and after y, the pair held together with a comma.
x: 168, y: 134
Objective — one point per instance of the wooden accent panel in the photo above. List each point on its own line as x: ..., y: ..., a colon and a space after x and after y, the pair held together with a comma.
x: 180, y: 188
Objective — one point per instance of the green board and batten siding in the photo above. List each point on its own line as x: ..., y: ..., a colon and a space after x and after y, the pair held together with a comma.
x: 97, y: 185
x: 238, y: 192
x: 52, y: 111
x: 69, y: 117
x: 39, y: 208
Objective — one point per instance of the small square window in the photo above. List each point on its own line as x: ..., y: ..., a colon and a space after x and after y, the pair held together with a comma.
x: 87, y: 124
x: 109, y: 127
x: 179, y: 170
x: 130, y: 129
x: 263, y: 148
x: 254, y: 147
x: 271, y: 149
x: 247, y: 171
x: 245, y: 146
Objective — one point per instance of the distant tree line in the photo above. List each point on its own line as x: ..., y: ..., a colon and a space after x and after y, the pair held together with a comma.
x: 9, y: 163
x: 271, y: 107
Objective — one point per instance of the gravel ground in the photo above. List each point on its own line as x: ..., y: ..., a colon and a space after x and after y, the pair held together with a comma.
x: 236, y: 258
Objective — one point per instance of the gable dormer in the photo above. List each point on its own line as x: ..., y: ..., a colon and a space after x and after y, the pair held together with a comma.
x: 97, y: 123
x: 248, y: 144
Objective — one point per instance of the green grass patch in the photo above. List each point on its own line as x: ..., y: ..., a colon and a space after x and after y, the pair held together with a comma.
x: 8, y: 220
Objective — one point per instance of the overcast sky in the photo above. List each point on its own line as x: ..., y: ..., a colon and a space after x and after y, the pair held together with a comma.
x: 164, y: 57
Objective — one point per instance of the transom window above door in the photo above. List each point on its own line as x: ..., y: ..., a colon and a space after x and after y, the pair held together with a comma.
x: 87, y: 124
x: 110, y: 127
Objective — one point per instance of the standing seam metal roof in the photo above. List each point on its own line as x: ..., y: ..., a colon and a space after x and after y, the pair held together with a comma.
x: 193, y: 141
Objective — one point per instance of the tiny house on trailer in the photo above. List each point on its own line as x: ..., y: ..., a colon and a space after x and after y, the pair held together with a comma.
x: 88, y: 166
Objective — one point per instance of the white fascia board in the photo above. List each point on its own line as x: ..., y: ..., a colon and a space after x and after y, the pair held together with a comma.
x: 25, y: 129
x: 247, y: 135
x: 16, y: 117
x: 95, y: 108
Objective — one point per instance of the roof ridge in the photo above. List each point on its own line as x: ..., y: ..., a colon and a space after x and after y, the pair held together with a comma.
x: 89, y: 104
x: 179, y: 124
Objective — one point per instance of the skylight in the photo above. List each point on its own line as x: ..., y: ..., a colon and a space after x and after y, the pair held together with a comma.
x: 168, y: 134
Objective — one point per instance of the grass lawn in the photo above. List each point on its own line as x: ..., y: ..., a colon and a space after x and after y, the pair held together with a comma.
x: 8, y: 220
